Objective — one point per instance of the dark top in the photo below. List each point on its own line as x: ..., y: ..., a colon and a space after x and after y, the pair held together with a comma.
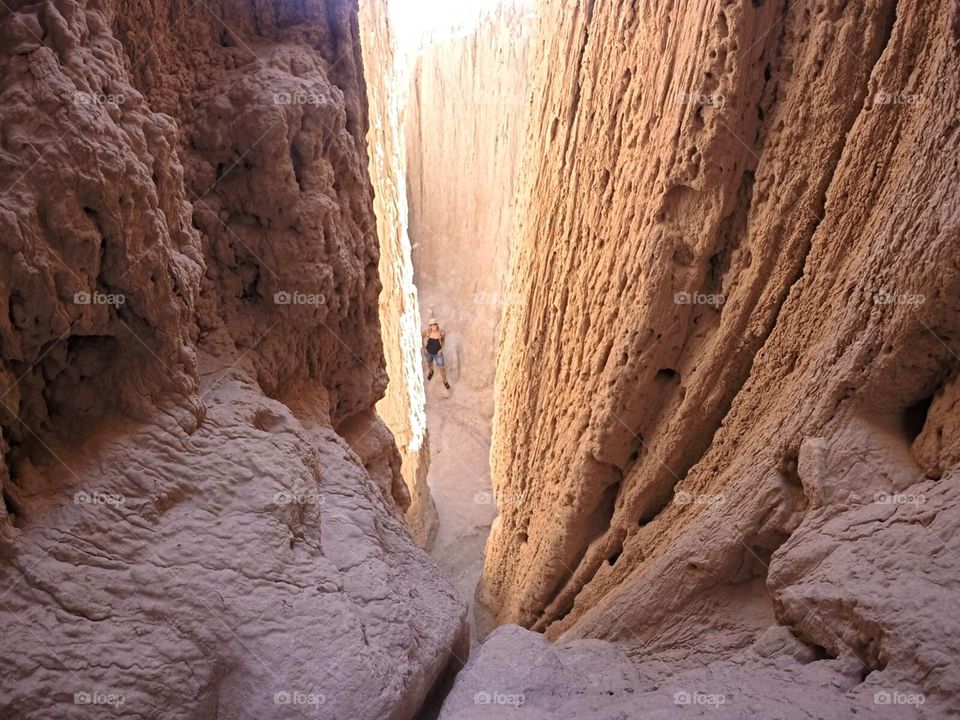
x: 434, y: 345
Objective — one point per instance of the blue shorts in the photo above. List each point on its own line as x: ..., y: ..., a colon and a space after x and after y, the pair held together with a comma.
x: 431, y: 357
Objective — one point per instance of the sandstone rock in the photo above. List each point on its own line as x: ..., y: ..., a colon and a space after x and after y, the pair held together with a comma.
x: 519, y: 674
x: 231, y: 572
x: 402, y: 407
x: 185, y: 531
x: 735, y: 336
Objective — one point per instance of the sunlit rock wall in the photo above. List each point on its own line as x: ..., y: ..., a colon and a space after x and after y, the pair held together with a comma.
x: 402, y: 407
x: 726, y: 396
x: 465, y: 120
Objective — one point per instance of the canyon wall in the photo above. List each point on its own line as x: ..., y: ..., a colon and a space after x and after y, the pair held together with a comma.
x: 465, y: 117
x: 402, y: 407
x: 727, y: 430
x: 202, y: 514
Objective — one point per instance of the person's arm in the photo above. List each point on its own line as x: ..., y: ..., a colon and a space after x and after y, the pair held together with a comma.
x: 443, y: 340
x: 423, y: 338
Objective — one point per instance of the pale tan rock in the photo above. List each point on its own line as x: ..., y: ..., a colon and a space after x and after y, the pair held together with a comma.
x: 220, y: 574
x: 518, y: 674
x: 737, y: 256
x: 465, y: 122
x: 402, y: 406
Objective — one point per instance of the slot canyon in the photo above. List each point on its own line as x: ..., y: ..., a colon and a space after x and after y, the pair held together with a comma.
x: 693, y: 270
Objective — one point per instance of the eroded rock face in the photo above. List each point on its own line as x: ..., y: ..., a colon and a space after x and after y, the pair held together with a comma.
x: 518, y: 673
x: 203, y: 515
x: 465, y: 120
x: 402, y: 406
x: 731, y: 366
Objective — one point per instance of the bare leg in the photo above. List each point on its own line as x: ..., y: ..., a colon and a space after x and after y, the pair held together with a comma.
x: 443, y: 374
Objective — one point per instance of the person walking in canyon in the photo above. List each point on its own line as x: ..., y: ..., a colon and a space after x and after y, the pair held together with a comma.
x: 433, y: 339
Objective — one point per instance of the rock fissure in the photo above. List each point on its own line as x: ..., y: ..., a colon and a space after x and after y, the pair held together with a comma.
x: 694, y: 445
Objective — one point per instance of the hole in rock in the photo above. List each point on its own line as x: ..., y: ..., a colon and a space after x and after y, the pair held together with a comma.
x: 915, y: 417
x: 612, y: 559
x: 821, y: 653
x: 10, y: 505
x: 665, y: 375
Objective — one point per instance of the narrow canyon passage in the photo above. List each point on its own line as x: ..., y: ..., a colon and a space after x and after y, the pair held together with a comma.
x: 698, y: 268
x: 459, y: 480
x: 464, y: 116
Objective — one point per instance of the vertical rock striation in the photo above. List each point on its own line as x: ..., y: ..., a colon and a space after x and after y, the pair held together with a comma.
x: 202, y: 513
x: 465, y: 120
x: 402, y: 406
x: 730, y: 395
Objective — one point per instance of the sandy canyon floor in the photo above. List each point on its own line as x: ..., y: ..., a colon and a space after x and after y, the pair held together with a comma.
x: 460, y: 484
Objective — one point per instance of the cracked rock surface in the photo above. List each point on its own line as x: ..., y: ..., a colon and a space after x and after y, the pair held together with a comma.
x: 202, y: 514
